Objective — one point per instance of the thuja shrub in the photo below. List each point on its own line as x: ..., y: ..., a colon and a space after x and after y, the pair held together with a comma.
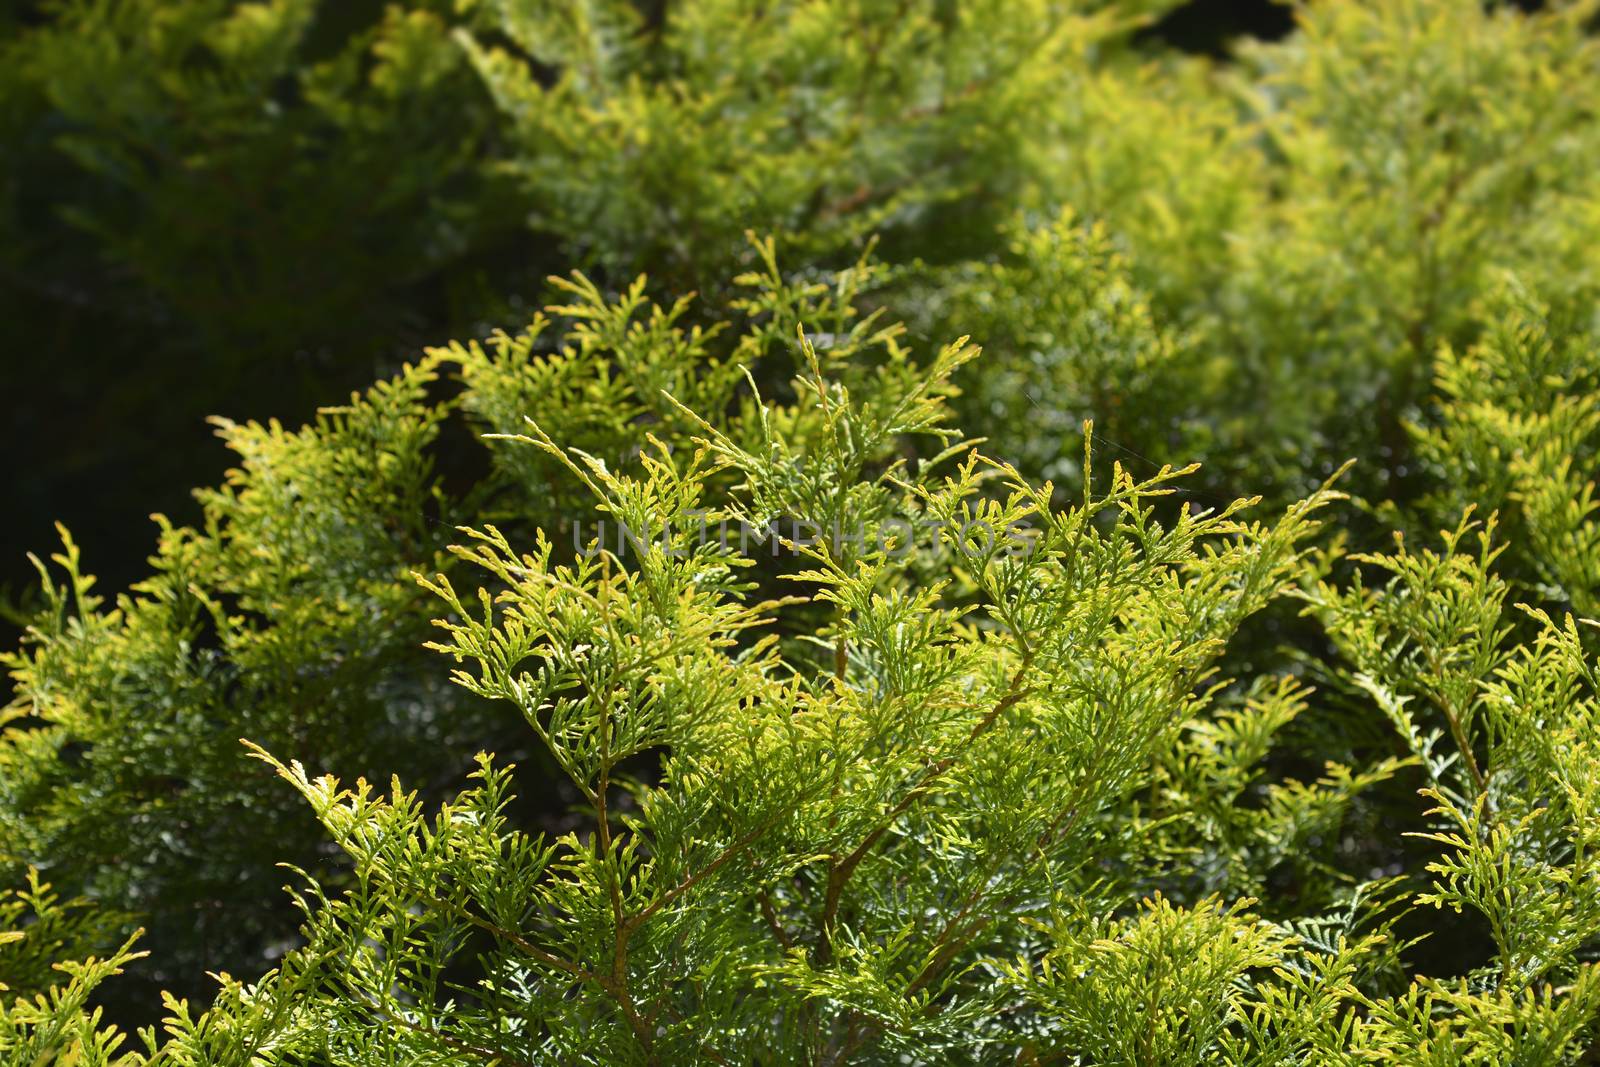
x: 282, y: 200
x: 801, y: 687
x: 296, y: 192
x: 955, y: 771
x: 342, y: 154
x: 853, y: 795
x: 289, y: 614
x: 1258, y: 265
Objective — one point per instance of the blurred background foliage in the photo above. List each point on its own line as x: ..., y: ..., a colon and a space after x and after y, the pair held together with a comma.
x: 249, y: 209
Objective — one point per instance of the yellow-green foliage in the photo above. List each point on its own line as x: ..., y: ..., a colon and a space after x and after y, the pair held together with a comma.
x: 754, y: 679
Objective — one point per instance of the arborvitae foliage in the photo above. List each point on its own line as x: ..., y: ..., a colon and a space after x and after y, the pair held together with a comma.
x: 1514, y: 429
x: 1310, y: 224
x: 296, y: 192
x: 154, y: 132
x: 293, y: 192
x: 289, y: 615
x: 750, y: 679
x: 652, y: 136
x: 875, y: 749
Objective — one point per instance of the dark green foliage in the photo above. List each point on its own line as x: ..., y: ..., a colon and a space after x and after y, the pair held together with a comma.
x: 754, y: 679
x: 246, y: 202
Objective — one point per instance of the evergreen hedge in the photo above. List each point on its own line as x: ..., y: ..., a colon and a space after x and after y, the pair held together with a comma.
x: 1202, y: 672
